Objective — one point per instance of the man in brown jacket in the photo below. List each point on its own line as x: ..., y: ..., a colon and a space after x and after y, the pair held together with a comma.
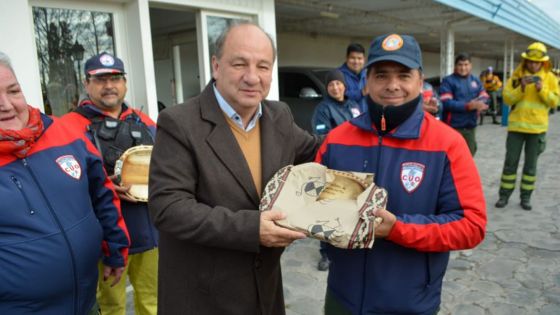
x: 212, y: 156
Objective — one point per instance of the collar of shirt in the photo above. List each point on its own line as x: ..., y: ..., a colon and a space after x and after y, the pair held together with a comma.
x: 233, y: 115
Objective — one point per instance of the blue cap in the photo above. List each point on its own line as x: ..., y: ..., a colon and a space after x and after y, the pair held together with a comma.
x: 104, y: 63
x: 403, y: 49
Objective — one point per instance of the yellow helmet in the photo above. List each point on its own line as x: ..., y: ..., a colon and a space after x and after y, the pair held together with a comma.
x: 536, y: 52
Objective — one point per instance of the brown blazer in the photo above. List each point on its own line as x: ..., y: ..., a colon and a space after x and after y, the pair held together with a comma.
x: 204, y: 203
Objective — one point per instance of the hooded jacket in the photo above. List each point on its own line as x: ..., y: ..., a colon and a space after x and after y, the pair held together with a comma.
x: 59, y: 216
x: 530, y: 107
x: 354, y: 83
x: 435, y: 192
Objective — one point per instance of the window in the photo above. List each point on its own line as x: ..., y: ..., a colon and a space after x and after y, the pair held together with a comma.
x: 65, y: 39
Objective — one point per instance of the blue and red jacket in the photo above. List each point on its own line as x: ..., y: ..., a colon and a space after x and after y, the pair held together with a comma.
x: 60, y: 214
x: 435, y: 192
x: 455, y: 92
x: 143, y: 234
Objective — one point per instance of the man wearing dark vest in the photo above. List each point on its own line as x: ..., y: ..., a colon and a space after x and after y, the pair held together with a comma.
x: 113, y: 127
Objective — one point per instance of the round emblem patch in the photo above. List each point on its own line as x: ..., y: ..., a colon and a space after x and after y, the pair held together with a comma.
x: 392, y: 42
x: 107, y: 60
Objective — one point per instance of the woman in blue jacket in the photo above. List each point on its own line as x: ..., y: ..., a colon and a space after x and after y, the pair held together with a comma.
x: 59, y: 212
x: 333, y: 110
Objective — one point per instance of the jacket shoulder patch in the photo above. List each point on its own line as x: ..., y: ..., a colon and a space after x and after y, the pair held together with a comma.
x: 70, y: 166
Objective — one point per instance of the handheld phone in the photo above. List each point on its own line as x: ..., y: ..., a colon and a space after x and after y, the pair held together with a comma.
x: 533, y: 79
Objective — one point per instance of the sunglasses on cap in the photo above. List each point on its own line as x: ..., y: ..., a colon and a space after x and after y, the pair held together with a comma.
x: 533, y: 53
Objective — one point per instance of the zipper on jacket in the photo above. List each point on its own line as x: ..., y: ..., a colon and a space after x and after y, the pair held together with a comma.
x: 365, y: 267
x: 379, y: 145
x: 67, y: 241
x: 20, y: 188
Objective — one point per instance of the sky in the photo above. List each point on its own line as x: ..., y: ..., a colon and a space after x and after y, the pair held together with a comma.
x: 552, y: 7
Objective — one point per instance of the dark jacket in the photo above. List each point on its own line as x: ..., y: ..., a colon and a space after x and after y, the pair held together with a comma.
x: 143, y: 234
x: 455, y: 92
x: 331, y: 113
x: 354, y: 84
x: 434, y: 191
x: 58, y: 213
x: 205, y: 205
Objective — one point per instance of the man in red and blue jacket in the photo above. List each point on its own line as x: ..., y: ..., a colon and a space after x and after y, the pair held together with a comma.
x: 114, y: 127
x: 435, y: 204
x: 463, y: 98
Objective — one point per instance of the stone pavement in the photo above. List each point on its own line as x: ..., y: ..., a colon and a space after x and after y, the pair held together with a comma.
x: 516, y: 270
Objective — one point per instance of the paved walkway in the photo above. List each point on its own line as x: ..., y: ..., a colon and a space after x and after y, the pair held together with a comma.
x: 516, y: 270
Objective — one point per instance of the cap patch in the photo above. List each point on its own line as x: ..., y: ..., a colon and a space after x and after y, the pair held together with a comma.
x: 107, y: 60
x: 392, y: 42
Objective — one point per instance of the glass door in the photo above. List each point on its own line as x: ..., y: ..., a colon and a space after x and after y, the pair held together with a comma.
x: 65, y: 37
x: 209, y: 26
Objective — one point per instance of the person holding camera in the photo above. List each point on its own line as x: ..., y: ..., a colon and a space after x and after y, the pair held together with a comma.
x: 531, y: 92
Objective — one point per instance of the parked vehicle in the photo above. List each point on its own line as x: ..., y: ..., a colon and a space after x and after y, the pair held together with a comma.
x: 302, y: 88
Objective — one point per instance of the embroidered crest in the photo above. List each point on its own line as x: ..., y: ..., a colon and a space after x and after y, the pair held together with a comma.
x: 474, y: 84
x: 70, y: 166
x: 107, y: 60
x: 355, y: 112
x: 392, y: 42
x: 412, y: 174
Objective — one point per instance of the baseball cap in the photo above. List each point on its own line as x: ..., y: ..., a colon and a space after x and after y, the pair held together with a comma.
x: 104, y: 63
x: 403, y: 49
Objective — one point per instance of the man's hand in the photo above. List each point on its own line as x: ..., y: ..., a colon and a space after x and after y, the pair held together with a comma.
x: 115, y: 272
x: 389, y: 219
x: 272, y: 235
x: 431, y: 106
x: 121, y: 190
x: 479, y: 106
x: 531, y: 79
x: 538, y: 85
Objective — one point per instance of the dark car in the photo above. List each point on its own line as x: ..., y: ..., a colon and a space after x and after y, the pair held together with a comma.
x: 302, y: 88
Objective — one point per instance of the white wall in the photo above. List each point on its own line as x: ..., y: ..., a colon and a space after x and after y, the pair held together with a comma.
x: 17, y: 40
x: 295, y: 49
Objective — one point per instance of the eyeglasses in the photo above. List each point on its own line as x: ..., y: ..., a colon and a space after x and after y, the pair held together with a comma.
x: 108, y: 78
x: 533, y: 53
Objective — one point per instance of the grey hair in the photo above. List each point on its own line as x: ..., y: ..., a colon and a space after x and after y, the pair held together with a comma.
x: 220, y: 41
x: 5, y: 61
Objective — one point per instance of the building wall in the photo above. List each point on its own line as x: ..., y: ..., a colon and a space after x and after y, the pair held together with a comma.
x: 296, y: 49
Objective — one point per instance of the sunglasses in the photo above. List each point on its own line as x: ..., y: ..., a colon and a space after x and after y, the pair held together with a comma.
x: 533, y: 53
x: 113, y: 78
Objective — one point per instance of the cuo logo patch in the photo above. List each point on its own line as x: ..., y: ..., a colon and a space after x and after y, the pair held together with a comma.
x: 107, y: 60
x: 412, y: 174
x: 70, y: 166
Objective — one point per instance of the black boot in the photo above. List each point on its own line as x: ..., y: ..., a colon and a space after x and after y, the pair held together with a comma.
x: 502, y: 202
x: 526, y: 204
x: 324, y: 263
